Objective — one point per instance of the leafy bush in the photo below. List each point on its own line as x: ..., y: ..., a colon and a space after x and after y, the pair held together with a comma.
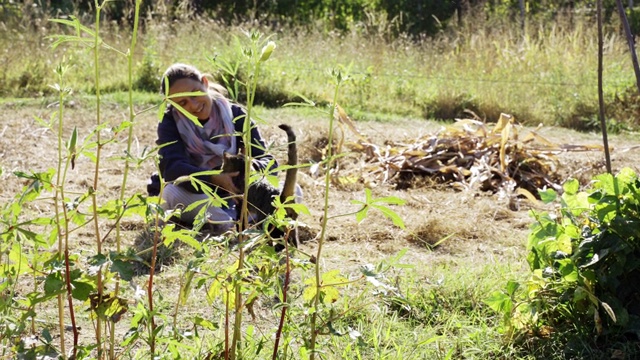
x: 584, y: 260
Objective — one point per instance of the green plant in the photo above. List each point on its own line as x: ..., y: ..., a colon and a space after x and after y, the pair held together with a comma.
x: 148, y: 71
x: 584, y: 260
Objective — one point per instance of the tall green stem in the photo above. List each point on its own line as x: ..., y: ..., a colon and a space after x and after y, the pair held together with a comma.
x: 325, y: 218
x: 125, y: 175
x: 246, y: 134
x: 59, y: 191
x: 96, y: 53
x: 63, y: 230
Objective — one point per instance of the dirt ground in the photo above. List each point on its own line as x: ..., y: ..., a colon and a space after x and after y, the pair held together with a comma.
x: 472, y: 221
x: 465, y: 225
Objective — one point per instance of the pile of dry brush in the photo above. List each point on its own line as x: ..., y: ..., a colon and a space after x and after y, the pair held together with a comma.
x: 467, y: 154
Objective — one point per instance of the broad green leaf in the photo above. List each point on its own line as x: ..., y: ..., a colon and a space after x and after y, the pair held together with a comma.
x: 47, y: 336
x: 571, y: 186
x: 110, y: 209
x: 329, y: 294
x: 333, y: 277
x: 81, y: 290
x: 512, y: 286
x: 580, y: 294
x: 189, y: 240
x: 214, y: 291
x: 53, y: 284
x: 626, y: 177
x: 18, y: 259
x: 568, y: 270
x: 547, y: 196
x: 328, y: 291
x: 564, y: 244
x: 499, y: 302
x: 298, y: 208
x: 607, y: 210
x: 604, y: 182
x: 577, y: 204
x: 123, y: 268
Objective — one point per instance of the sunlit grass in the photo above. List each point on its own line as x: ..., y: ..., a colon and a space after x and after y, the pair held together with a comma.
x: 547, y: 75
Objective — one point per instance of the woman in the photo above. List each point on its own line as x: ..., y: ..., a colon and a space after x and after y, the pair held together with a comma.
x: 186, y: 148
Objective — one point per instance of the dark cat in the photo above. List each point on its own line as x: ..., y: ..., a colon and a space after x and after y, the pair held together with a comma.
x: 261, y: 193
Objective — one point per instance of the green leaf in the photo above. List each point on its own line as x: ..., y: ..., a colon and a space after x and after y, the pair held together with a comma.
x: 123, y: 268
x: 568, y: 270
x: 375, y: 203
x: 547, y: 196
x: 626, y: 177
x: 186, y: 288
x: 563, y: 243
x: 298, y: 208
x: 605, y: 182
x: 53, y: 284
x: 161, y: 110
x: 328, y: 291
x: 362, y: 214
x: 47, y: 336
x: 307, y: 101
x: 499, y: 302
x: 571, y: 186
x: 205, y: 323
x: 71, y: 146
x: 18, y: 259
x: 392, y: 200
x: 387, y: 212
x: 333, y: 277
x: 577, y: 203
x: 81, y: 290
x: 512, y: 286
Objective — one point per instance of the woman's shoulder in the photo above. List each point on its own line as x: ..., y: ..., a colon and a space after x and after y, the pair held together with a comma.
x: 167, y: 119
x: 167, y: 127
x: 237, y: 110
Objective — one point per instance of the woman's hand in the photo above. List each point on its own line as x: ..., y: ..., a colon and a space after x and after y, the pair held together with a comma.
x: 225, y: 181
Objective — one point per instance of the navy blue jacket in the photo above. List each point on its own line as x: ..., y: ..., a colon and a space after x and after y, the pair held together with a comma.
x: 175, y: 161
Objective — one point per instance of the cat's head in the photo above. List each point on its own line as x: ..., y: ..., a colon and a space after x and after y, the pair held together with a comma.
x: 232, y: 163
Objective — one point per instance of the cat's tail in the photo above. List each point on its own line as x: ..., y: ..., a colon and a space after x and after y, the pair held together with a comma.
x: 288, y: 190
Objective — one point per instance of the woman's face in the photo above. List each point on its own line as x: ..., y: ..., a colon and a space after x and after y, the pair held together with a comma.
x: 199, y: 106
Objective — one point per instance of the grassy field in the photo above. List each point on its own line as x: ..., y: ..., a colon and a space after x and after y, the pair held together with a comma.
x: 548, y: 75
x: 416, y: 291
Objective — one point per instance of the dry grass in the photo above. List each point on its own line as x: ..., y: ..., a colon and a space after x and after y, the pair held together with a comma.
x: 460, y: 231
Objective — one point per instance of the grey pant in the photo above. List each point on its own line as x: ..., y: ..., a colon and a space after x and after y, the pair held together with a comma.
x: 177, y: 197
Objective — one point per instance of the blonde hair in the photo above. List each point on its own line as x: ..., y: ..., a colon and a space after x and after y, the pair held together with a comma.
x: 179, y: 71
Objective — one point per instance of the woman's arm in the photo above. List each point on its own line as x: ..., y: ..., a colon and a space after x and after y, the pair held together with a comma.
x: 174, y: 159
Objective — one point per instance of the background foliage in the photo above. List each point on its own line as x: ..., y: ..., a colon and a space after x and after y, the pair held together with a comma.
x: 415, y: 17
x: 437, y: 59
